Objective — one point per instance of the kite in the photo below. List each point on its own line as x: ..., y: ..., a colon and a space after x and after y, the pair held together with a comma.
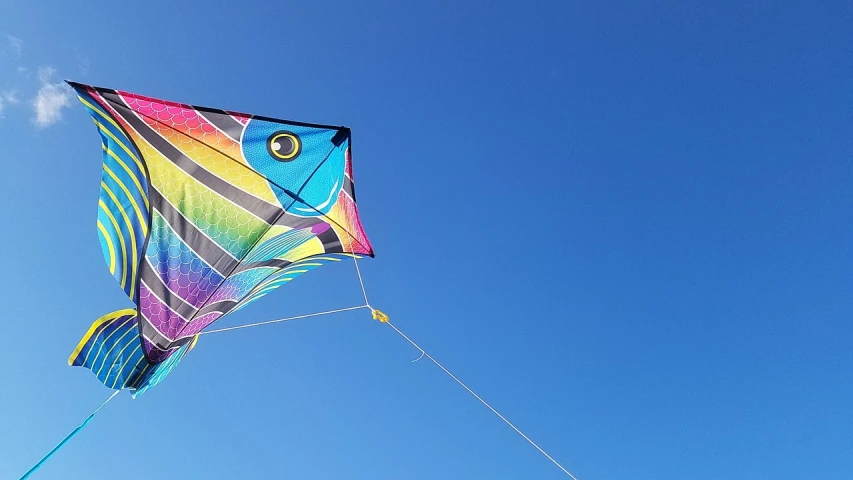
x: 201, y: 212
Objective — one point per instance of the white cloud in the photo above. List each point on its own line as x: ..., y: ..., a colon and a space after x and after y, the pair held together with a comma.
x: 51, y: 98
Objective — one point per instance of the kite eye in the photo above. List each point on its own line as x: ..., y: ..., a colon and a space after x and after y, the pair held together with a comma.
x: 284, y: 146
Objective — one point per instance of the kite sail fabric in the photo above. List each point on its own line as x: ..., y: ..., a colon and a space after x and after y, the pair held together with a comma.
x: 202, y: 211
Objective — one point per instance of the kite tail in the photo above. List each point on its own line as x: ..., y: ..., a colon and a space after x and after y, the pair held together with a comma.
x: 67, y: 438
x: 112, y: 350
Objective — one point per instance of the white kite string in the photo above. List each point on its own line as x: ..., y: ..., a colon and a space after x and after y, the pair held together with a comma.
x: 424, y: 353
x: 361, y: 282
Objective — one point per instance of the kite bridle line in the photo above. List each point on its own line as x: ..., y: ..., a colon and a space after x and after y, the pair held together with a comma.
x: 279, y: 320
x: 383, y: 318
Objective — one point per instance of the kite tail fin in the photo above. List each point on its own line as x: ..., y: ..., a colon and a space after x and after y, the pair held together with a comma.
x: 112, y: 350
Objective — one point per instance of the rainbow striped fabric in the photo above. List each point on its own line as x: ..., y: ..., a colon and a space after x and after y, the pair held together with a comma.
x: 201, y: 212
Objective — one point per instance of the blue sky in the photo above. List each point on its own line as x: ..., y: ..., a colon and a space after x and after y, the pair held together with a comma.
x: 627, y: 227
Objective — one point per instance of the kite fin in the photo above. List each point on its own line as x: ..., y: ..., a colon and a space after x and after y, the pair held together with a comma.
x: 112, y: 350
x: 124, y: 213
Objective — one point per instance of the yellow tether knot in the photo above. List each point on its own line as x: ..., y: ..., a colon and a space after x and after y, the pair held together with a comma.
x: 379, y: 315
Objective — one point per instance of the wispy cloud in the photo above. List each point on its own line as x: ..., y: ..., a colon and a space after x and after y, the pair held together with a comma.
x: 7, y: 98
x: 51, y: 98
x: 13, y: 45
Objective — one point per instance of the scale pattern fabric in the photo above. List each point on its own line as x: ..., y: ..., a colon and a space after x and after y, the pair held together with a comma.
x: 203, y: 211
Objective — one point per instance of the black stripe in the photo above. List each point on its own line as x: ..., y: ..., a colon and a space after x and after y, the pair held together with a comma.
x: 349, y: 188
x: 261, y: 209
x: 223, y: 121
x: 288, y: 219
x: 223, y: 306
x: 209, y: 251
x: 157, y: 339
x: 157, y: 287
x: 331, y: 242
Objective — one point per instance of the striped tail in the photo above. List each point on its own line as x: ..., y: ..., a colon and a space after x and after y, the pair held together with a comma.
x: 112, y: 350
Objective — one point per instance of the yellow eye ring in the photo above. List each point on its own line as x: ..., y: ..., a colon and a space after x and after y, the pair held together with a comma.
x: 284, y: 146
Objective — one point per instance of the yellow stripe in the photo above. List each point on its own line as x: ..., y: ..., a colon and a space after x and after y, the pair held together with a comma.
x: 120, y: 144
x: 99, y: 112
x: 213, y: 159
x: 97, y: 323
x: 297, y: 271
x: 258, y: 294
x: 101, y: 344
x: 140, y: 376
x: 113, y: 122
x: 129, y: 172
x: 120, y: 370
x: 326, y: 258
x: 104, y: 361
x: 142, y: 220
x: 124, y: 258
x: 109, y: 246
x: 273, y: 284
x: 132, y: 238
x: 261, y: 292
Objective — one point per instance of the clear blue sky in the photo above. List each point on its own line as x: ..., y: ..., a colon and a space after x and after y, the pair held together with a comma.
x: 628, y: 227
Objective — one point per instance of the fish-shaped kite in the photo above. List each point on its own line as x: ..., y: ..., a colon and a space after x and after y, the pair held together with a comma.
x: 201, y: 212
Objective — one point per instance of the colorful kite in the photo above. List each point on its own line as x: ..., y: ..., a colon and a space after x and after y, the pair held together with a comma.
x: 203, y: 211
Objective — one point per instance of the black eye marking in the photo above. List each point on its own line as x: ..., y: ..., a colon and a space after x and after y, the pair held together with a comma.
x: 284, y: 146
